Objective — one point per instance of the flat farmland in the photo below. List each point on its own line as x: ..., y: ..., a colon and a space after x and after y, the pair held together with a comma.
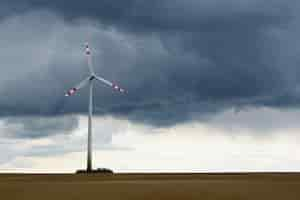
x: 231, y: 186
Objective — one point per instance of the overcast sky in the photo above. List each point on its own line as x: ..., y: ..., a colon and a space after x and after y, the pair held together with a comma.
x: 212, y: 85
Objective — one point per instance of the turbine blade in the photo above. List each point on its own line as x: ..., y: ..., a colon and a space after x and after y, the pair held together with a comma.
x: 89, y: 58
x: 114, y: 86
x: 73, y: 90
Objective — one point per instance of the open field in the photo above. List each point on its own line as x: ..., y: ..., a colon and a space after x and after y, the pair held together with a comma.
x: 150, y: 186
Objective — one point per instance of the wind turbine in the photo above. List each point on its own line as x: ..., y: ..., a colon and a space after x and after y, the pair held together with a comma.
x: 89, y: 81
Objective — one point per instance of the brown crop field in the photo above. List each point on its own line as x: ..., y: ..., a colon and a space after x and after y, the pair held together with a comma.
x: 281, y: 186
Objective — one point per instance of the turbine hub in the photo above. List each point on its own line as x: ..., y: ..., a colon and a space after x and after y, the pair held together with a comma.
x: 92, y: 77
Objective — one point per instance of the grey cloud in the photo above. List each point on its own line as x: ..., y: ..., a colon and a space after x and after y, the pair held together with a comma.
x: 260, y: 121
x: 36, y: 127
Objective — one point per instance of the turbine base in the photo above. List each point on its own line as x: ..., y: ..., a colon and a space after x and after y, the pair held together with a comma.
x: 95, y: 171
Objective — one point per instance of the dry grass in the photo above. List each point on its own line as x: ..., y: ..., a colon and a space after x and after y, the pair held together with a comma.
x: 151, y: 186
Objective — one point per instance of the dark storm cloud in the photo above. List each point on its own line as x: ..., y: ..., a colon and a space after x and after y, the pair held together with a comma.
x: 165, y: 14
x: 176, y: 58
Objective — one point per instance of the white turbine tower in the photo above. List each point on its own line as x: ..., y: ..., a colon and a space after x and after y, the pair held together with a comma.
x: 89, y: 80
